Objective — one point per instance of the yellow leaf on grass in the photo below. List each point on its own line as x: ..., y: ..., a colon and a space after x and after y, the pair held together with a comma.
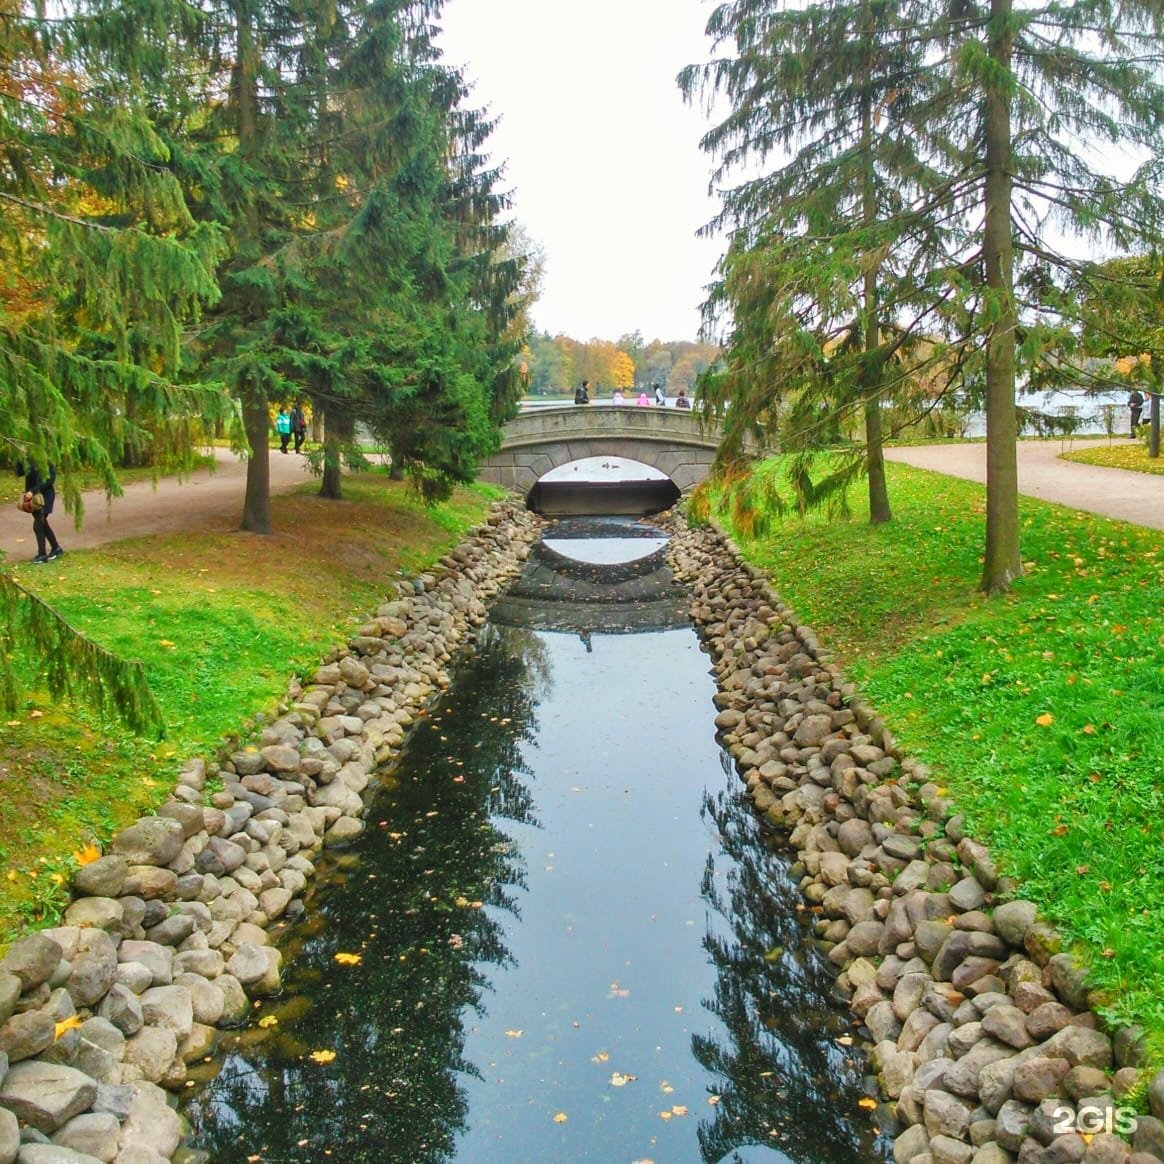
x: 1045, y: 720
x: 268, y: 1021
x: 321, y: 1056
x: 561, y: 1118
x: 349, y: 959
x: 166, y: 643
x: 87, y: 855
x: 69, y: 1024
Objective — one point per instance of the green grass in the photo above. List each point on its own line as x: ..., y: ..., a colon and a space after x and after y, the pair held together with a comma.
x: 221, y: 622
x: 1042, y: 711
x: 1127, y: 455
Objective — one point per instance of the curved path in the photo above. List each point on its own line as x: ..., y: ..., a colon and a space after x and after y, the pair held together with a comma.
x: 1116, y: 493
x: 204, y: 499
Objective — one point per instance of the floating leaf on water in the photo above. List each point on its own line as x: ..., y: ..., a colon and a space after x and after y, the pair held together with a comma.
x: 514, y: 1034
x: 349, y: 959
x: 679, y: 1109
x: 321, y: 1056
x: 664, y: 1115
x: 867, y: 1104
x: 601, y: 1057
x: 845, y: 1040
x: 774, y: 954
x: 618, y: 1079
x: 666, y: 1088
x: 561, y: 1117
x: 713, y: 1100
x: 268, y: 1021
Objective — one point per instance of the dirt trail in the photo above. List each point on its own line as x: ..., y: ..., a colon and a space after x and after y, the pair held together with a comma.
x: 1117, y: 493
x: 204, y: 500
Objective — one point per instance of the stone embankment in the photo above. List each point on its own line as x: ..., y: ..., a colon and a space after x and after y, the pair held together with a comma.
x: 982, y: 1040
x: 166, y: 941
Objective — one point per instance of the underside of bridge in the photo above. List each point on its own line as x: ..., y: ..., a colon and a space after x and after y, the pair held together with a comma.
x: 572, y: 498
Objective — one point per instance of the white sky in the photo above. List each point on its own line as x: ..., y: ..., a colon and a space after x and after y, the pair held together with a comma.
x: 601, y: 153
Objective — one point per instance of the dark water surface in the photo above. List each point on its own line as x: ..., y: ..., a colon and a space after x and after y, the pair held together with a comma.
x: 574, y: 943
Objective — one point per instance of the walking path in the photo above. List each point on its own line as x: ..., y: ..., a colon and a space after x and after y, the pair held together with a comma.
x: 1116, y: 493
x: 204, y: 500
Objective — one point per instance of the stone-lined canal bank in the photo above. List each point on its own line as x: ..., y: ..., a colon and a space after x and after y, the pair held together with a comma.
x: 984, y: 1045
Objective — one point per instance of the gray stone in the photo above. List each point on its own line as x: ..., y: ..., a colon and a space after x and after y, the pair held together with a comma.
x: 27, y: 1034
x: 967, y: 894
x: 962, y: 1077
x: 1069, y: 980
x: 1149, y: 1136
x: 1080, y: 1046
x: 158, y: 959
x: 46, y: 1095
x: 1013, y: 1120
x: 236, y: 1007
x: 1156, y: 1095
x: 122, y: 1008
x: 151, y: 1122
x: 34, y: 1153
x: 1012, y: 919
x: 170, y: 1007
x: 992, y: 1153
x: 996, y: 1083
x: 93, y: 973
x: 104, y: 877
x: 172, y: 931
x: 1046, y: 1019
x: 152, y: 840
x: 1008, y: 1025
x: 945, y: 1114
x: 1036, y: 1079
x: 947, y: 1150
x: 152, y: 1051
x: 93, y: 1134
x: 32, y: 959
x: 103, y: 913
x: 9, y: 1136
x: 1106, y: 1148
x: 910, y: 1144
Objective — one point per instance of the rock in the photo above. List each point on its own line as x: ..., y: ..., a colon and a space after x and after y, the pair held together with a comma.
x: 235, y: 1004
x: 947, y: 1150
x: 25, y: 1035
x: 1156, y: 1095
x: 32, y: 960
x: 46, y: 1095
x: 1008, y: 1025
x: 152, y: 840
x: 9, y: 1136
x: 991, y: 1153
x: 345, y: 830
x: 1068, y: 979
x: 35, y: 1153
x: 996, y: 1083
x: 1149, y: 1136
x: 1106, y: 1148
x: 150, y: 882
x: 92, y: 1134
x: 1013, y: 1120
x: 910, y: 1144
x: 169, y: 1007
x: 104, y: 877
x: 962, y: 1077
x: 152, y: 1050
x: 1046, y: 1019
x: 122, y: 1009
x: 92, y: 975
x: 967, y: 894
x: 1036, y: 1079
x: 158, y: 959
x: 151, y: 1122
x: 945, y: 1114
x: 1012, y: 919
x: 1080, y: 1046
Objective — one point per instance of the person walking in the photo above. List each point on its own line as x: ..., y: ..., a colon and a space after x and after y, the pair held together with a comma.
x: 681, y: 400
x: 1136, y: 407
x: 582, y: 393
x: 660, y: 396
x: 283, y: 428
x: 298, y: 427
x: 44, y: 487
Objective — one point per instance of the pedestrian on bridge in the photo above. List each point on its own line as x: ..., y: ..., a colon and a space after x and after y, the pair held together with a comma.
x: 582, y: 393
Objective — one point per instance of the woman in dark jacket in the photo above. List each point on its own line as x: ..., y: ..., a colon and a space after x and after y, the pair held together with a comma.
x: 35, y: 483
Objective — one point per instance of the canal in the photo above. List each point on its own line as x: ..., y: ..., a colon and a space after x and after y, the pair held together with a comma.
x: 564, y: 935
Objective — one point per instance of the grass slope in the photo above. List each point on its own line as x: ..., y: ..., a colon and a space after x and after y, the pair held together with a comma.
x: 1042, y: 712
x: 221, y: 621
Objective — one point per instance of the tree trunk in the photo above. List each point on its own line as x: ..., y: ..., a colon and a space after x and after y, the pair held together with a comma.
x: 1003, y: 559
x: 257, y: 501
x: 244, y: 95
x: 873, y: 371
x: 338, y: 431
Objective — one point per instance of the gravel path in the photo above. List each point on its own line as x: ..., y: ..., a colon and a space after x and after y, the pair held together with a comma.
x: 1117, y: 493
x: 204, y: 500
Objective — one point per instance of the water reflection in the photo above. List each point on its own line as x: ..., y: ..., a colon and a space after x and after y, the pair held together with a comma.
x: 574, y: 941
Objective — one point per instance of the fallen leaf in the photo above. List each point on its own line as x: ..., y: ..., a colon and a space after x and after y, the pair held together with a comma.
x: 514, y: 1034
x: 69, y: 1024
x: 349, y: 959
x: 268, y: 1021
x: 87, y: 855
x: 321, y: 1056
x: 664, y: 1115
x: 867, y: 1104
x: 666, y: 1088
x: 601, y: 1057
x: 679, y: 1109
x: 561, y: 1118
x: 618, y: 1079
x: 1045, y: 720
x: 713, y: 1100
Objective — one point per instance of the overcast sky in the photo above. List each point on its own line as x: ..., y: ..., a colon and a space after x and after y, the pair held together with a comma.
x: 601, y: 153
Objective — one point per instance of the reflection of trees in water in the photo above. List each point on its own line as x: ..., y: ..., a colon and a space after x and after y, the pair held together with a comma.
x: 408, y: 900
x: 786, y: 1082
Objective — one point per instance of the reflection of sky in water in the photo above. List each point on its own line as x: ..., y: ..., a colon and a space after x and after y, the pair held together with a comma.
x: 604, y: 469
x: 605, y: 551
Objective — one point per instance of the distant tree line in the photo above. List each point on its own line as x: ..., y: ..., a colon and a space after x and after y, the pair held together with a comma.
x: 554, y: 364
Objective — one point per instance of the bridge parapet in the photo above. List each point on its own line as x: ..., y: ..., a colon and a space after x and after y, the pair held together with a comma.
x: 672, y: 440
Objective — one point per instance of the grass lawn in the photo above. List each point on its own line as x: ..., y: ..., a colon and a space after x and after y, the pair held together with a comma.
x: 221, y: 621
x: 1042, y: 712
x: 1125, y: 455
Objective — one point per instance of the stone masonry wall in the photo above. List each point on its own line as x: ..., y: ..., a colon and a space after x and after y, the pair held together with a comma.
x: 166, y: 940
x: 982, y: 1040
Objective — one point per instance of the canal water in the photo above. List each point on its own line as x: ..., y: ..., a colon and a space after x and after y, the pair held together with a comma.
x: 565, y: 935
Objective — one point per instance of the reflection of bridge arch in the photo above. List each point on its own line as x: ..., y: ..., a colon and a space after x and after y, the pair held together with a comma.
x: 671, y: 440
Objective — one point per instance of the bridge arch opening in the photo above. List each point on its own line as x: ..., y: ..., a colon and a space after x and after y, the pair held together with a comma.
x: 602, y: 485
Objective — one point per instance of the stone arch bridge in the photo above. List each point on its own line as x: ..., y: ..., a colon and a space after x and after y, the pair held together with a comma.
x: 672, y: 440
